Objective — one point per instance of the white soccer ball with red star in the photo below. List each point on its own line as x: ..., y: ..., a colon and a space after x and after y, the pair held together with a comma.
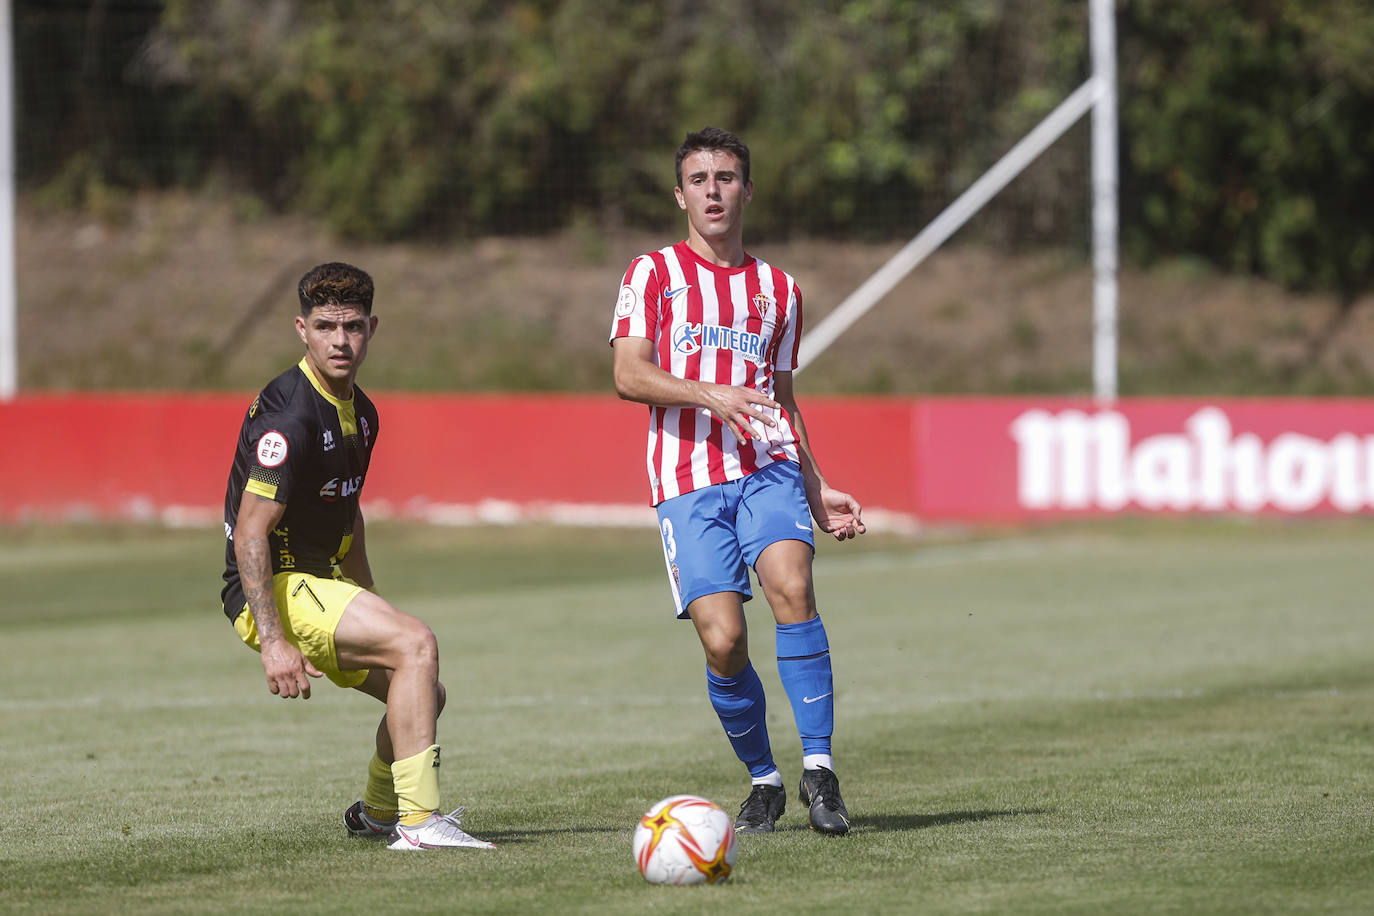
x: 685, y: 840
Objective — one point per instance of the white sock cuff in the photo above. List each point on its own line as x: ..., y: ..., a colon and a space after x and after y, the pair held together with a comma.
x: 771, y: 779
x: 811, y: 761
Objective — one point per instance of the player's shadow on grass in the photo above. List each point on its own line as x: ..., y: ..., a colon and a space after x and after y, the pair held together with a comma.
x: 923, y: 821
x: 874, y: 822
x: 501, y: 837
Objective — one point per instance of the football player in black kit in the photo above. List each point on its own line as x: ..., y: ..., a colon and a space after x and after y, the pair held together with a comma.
x: 297, y: 581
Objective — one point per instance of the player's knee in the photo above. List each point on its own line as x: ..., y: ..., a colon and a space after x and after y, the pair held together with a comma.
x: 427, y: 649
x: 420, y: 647
x: 727, y: 656
x: 440, y: 697
x: 791, y: 597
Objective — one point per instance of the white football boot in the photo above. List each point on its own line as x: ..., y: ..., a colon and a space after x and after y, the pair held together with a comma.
x: 441, y: 831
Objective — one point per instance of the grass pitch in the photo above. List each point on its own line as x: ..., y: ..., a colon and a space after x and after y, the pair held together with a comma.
x: 1138, y: 717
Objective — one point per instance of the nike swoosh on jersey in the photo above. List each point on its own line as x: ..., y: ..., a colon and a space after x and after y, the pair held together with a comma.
x: 743, y: 733
x: 674, y: 293
x: 817, y: 699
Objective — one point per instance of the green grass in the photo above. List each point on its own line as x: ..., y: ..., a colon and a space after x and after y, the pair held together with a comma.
x: 1135, y: 717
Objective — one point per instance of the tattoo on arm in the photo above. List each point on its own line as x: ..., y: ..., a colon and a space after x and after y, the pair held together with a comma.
x: 255, y: 572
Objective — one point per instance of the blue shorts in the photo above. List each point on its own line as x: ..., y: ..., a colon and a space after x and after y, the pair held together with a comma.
x: 713, y: 535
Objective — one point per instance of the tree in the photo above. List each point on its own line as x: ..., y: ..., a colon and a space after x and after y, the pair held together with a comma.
x: 1249, y: 132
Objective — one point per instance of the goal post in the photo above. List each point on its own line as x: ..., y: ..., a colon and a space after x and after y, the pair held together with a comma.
x: 1102, y: 25
x: 9, y: 306
x: 1096, y: 95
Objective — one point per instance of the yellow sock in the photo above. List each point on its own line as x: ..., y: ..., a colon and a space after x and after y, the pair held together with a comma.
x: 379, y: 798
x: 416, y: 780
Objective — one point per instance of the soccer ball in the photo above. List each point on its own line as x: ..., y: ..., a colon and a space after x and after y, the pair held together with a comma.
x: 685, y: 840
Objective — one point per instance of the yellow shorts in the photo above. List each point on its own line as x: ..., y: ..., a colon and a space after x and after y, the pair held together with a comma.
x: 310, y: 608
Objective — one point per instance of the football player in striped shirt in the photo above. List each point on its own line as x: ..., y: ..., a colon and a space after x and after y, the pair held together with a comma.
x: 297, y: 583
x: 706, y: 335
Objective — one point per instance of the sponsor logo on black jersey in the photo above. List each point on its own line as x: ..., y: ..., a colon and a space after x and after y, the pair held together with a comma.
x: 337, y: 487
x: 285, y: 558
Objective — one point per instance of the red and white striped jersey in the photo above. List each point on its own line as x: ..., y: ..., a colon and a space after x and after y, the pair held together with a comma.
x: 729, y: 325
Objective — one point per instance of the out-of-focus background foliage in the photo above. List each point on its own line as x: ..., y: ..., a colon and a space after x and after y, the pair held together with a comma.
x: 1247, y: 127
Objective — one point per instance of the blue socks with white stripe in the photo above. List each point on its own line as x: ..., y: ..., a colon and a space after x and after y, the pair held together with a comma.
x: 804, y: 669
x: 741, y: 706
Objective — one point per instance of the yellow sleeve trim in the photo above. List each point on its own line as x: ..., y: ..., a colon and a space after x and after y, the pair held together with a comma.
x: 258, y: 488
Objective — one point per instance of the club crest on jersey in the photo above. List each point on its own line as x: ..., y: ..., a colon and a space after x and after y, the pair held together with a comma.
x: 329, y: 440
x: 625, y: 305
x: 367, y: 432
x: 765, y: 305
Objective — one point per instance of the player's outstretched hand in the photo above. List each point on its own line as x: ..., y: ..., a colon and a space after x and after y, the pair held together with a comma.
x: 839, y: 513
x: 286, y: 670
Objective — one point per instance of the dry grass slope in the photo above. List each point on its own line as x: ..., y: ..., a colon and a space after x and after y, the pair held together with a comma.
x: 186, y: 293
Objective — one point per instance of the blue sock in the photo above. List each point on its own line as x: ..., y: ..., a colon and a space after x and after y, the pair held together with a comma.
x: 740, y: 704
x: 804, y: 668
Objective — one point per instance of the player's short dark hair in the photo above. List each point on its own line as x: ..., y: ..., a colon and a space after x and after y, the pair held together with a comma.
x: 335, y: 283
x: 713, y: 138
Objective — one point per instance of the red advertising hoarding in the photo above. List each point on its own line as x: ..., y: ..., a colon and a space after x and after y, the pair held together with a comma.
x: 580, y: 458
x: 1024, y: 458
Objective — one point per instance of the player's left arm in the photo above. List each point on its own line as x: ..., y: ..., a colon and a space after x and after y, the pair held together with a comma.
x: 355, y: 565
x: 834, y: 510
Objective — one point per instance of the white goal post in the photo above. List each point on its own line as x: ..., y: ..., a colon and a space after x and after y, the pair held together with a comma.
x: 9, y: 306
x: 1098, y: 95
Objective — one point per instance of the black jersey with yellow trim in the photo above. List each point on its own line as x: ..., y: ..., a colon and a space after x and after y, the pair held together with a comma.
x: 302, y: 447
